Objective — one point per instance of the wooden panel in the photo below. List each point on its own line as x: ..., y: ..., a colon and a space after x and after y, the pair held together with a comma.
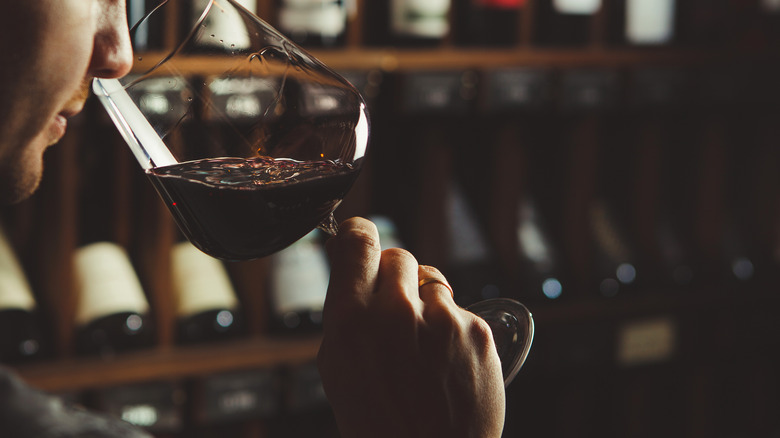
x: 169, y: 363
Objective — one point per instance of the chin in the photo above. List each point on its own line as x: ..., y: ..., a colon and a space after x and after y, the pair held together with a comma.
x: 14, y: 192
x: 19, y: 179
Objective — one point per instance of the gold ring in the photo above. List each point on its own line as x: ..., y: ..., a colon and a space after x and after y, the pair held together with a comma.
x: 429, y: 280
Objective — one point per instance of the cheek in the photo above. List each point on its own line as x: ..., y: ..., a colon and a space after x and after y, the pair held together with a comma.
x: 66, y: 49
x: 67, y: 58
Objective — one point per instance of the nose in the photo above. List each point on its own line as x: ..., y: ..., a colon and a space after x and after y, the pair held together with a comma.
x: 112, y: 53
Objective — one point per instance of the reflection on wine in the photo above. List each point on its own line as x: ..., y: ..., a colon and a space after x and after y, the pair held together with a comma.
x: 241, y: 209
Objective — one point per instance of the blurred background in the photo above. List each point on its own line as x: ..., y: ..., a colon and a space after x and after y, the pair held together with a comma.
x: 610, y: 163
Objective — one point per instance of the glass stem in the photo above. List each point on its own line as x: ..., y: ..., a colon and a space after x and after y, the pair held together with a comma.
x: 329, y: 225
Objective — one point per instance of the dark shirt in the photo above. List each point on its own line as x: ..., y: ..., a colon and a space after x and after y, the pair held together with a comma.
x: 26, y: 412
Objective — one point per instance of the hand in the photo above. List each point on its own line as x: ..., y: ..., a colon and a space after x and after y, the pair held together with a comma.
x: 398, y: 360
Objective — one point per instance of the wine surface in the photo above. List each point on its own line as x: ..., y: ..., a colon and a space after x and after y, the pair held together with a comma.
x: 241, y: 209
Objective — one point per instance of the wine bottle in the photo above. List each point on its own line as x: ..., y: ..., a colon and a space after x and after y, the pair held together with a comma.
x: 20, y: 325
x: 644, y: 22
x: 702, y: 22
x: 235, y: 396
x: 225, y: 28
x: 147, y: 35
x: 112, y: 313
x: 678, y: 211
x: 471, y: 268
x: 564, y: 22
x: 615, y: 266
x: 610, y: 211
x: 206, y: 305
x: 662, y: 184
x: 157, y: 407
x: 419, y: 22
x: 298, y: 283
x: 650, y: 21
x: 489, y: 22
x: 512, y: 89
x: 314, y: 23
x: 542, y: 276
x: 306, y: 411
x: 229, y: 103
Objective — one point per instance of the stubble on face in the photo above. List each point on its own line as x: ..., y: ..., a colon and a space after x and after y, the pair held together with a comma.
x: 76, y: 102
x: 22, y: 170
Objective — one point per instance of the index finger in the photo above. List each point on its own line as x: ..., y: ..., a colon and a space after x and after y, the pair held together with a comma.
x: 354, y: 255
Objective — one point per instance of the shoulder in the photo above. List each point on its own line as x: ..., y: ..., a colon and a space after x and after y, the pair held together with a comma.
x: 25, y: 412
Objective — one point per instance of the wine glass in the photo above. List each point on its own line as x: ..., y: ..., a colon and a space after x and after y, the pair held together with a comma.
x: 512, y: 326
x: 250, y: 141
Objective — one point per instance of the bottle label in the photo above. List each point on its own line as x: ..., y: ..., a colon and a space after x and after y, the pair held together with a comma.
x: 242, y: 100
x: 501, y: 4
x: 15, y: 291
x: 649, y: 21
x: 589, y: 89
x: 240, y: 395
x: 106, y: 283
x: 155, y: 406
x: 163, y: 99
x: 513, y: 88
x: 577, y: 7
x: 300, y: 275
x: 420, y: 18
x: 445, y: 92
x: 326, y: 18
x: 200, y: 282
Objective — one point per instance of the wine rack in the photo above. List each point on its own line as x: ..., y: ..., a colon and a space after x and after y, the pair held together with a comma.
x: 688, y: 127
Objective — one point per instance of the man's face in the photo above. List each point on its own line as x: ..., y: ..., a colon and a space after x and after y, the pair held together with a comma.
x: 49, y: 50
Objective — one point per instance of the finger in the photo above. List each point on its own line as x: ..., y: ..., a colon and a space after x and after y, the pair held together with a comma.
x: 398, y: 276
x: 433, y: 286
x: 354, y: 256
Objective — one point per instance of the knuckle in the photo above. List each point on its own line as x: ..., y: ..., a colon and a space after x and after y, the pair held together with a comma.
x: 431, y: 271
x: 480, y: 334
x: 399, y: 255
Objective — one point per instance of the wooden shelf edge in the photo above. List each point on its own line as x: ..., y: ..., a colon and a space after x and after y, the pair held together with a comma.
x: 396, y: 59
x: 391, y: 59
x: 173, y: 363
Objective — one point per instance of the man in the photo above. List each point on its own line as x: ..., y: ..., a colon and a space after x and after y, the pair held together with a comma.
x: 397, y: 359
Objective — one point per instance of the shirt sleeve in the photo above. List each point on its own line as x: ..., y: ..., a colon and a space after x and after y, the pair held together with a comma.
x: 26, y: 412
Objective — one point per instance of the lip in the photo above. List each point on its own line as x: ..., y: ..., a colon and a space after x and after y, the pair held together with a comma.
x: 58, y: 127
x: 59, y: 124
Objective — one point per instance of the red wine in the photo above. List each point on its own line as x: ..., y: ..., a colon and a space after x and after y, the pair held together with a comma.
x: 241, y: 209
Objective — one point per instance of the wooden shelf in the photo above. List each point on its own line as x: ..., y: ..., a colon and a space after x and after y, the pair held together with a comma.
x: 391, y: 59
x: 398, y: 59
x: 174, y: 363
